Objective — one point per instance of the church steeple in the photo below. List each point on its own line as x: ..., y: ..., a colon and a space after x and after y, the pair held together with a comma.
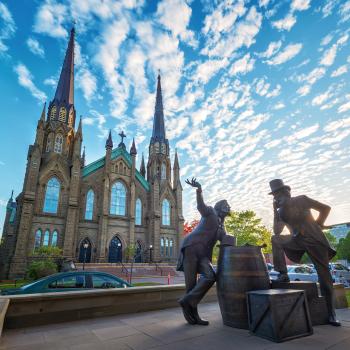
x: 61, y: 108
x: 65, y: 87
x: 158, y: 134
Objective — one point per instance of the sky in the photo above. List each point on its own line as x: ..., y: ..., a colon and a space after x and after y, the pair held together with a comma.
x: 253, y: 90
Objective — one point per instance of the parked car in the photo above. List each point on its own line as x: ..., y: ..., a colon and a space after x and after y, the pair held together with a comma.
x: 340, y: 273
x: 70, y: 281
x: 297, y: 273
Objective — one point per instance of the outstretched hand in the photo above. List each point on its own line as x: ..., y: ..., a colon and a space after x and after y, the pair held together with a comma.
x: 193, y: 183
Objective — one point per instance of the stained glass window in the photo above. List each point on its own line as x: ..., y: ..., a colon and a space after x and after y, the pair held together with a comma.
x: 62, y: 116
x: 58, y: 143
x: 46, y: 238
x: 138, y: 212
x: 163, y: 171
x: 166, y: 246
x: 89, y: 205
x: 162, y: 246
x: 53, y: 113
x: 165, y: 212
x: 54, y: 238
x: 171, y: 244
x: 52, y: 196
x: 37, y: 242
x: 118, y: 199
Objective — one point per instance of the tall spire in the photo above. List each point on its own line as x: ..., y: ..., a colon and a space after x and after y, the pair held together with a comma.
x: 109, y: 142
x: 133, y: 150
x: 42, y: 118
x: 142, y: 167
x: 65, y: 88
x: 158, y: 133
x: 176, y: 161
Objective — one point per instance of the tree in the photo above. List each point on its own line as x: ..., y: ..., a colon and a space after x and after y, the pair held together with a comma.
x: 190, y: 226
x: 343, y: 249
x: 247, y: 228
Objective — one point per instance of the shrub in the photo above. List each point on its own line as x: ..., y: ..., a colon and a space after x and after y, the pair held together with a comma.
x: 47, y: 251
x: 41, y: 268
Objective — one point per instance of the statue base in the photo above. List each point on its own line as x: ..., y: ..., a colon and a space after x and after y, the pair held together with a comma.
x: 317, y: 304
x: 278, y: 314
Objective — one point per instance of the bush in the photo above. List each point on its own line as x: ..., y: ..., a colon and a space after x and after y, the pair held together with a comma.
x: 47, y: 251
x: 41, y: 268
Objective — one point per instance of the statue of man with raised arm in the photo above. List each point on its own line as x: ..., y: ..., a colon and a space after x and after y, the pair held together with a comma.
x: 306, y: 235
x: 196, y: 254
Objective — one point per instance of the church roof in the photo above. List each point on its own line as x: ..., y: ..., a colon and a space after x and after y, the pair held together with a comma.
x: 119, y: 151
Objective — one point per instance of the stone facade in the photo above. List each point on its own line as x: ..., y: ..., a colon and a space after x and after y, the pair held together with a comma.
x: 108, y: 204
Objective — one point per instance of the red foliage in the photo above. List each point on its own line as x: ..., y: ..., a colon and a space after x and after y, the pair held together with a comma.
x: 190, y: 226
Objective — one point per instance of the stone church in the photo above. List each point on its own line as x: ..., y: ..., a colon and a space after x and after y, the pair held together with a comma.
x: 95, y: 211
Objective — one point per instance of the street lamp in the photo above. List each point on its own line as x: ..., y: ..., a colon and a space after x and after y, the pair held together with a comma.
x: 86, y: 246
x: 150, y: 252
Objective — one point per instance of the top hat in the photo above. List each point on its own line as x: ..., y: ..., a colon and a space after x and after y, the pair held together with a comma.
x: 276, y: 185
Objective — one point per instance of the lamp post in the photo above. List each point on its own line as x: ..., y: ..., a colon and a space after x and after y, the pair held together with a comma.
x: 85, y: 245
x: 150, y: 253
x: 119, y: 245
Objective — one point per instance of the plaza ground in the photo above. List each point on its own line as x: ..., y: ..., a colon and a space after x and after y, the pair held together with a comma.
x: 166, y: 330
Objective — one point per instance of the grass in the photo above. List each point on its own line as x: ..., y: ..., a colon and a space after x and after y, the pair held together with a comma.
x: 143, y: 284
x: 19, y: 283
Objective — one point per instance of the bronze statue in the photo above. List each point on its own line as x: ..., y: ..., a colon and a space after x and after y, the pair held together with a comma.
x: 196, y: 254
x: 306, y: 236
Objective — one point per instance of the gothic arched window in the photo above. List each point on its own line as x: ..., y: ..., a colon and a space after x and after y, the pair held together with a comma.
x: 58, y: 143
x: 62, y: 115
x: 46, y: 238
x: 49, y: 142
x: 52, y: 196
x: 118, y: 199
x: 54, y: 238
x: 166, y: 247
x: 163, y: 171
x: 171, y: 244
x: 138, y: 212
x: 165, y: 212
x: 89, y: 205
x: 71, y: 117
x: 162, y: 246
x: 53, y: 113
x: 37, y: 241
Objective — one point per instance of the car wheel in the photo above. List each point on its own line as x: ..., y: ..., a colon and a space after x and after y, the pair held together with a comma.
x: 297, y: 279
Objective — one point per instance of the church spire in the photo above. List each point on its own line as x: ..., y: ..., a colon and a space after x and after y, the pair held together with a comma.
x: 158, y: 133
x: 65, y: 88
x: 142, y: 167
x: 42, y: 118
x: 109, y: 142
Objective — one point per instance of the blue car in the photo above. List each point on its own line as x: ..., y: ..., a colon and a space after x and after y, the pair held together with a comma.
x: 70, y: 281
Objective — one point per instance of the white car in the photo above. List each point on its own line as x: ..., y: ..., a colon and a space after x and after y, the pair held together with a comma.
x: 297, y: 273
x: 340, y: 273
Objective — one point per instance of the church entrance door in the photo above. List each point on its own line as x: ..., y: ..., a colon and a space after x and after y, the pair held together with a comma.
x: 115, y: 250
x: 85, y: 252
x: 138, y: 252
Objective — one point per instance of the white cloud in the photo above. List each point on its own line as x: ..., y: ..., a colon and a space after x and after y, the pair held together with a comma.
x: 328, y: 8
x: 35, y: 47
x: 303, y: 133
x: 87, y: 82
x: 329, y: 56
x: 178, y: 23
x: 263, y: 3
x: 300, y: 5
x: 344, y: 107
x: 25, y: 79
x: 340, y: 71
x: 207, y: 69
x: 304, y: 90
x: 286, y: 54
x: 285, y: 23
x: 243, y: 65
x: 50, y: 18
x: 326, y: 40
x: 7, y: 27
x: 278, y: 106
x: 320, y: 99
x: 344, y: 11
x: 271, y: 49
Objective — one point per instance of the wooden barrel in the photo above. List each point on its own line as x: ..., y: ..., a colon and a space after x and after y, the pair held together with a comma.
x: 240, y: 270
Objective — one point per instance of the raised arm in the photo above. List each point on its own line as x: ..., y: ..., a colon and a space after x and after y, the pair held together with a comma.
x: 202, y: 208
x: 323, y: 210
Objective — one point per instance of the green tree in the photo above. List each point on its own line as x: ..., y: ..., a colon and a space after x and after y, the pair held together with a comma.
x: 343, y: 249
x: 247, y: 228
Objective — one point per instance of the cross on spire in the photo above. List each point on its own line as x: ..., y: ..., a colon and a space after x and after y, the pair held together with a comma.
x: 122, y: 135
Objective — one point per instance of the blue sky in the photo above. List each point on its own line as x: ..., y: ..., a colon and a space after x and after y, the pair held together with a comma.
x: 253, y: 90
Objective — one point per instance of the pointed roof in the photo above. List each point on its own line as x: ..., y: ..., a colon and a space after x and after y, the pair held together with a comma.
x: 43, y: 113
x: 158, y: 133
x: 65, y: 87
x: 109, y: 142
x: 133, y: 150
x: 142, y: 167
x: 176, y: 161
x: 80, y: 128
x: 83, y: 158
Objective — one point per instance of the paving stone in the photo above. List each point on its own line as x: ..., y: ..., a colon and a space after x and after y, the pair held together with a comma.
x: 138, y: 341
x: 114, y: 332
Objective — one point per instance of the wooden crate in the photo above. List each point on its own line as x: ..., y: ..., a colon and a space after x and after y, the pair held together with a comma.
x: 278, y: 314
